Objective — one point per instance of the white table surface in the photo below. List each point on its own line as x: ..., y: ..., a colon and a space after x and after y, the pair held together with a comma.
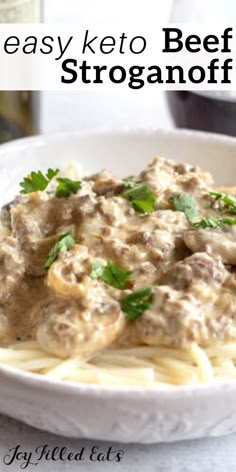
x: 94, y: 111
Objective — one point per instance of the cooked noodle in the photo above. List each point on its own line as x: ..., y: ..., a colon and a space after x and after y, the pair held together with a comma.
x: 137, y: 366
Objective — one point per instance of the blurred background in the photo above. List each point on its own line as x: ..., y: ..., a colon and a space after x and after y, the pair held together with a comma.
x: 89, y: 110
x: 139, y: 109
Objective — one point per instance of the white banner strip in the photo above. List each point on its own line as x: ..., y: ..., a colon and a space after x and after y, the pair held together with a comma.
x: 69, y: 57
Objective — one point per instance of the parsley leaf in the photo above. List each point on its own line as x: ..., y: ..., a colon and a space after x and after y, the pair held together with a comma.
x: 36, y: 181
x: 111, y: 274
x: 131, y: 183
x: 229, y: 200
x: 51, y: 174
x: 187, y: 204
x: 137, y: 302
x: 64, y: 243
x: 212, y: 222
x: 140, y: 195
x: 97, y: 270
x: 115, y: 276
x: 67, y: 186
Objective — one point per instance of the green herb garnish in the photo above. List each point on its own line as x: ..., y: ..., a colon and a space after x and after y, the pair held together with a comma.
x: 67, y: 186
x: 212, y: 222
x: 111, y: 274
x: 131, y: 183
x: 137, y: 302
x: 97, y: 270
x: 36, y: 181
x: 187, y: 204
x: 229, y: 200
x: 115, y: 276
x: 140, y: 195
x: 64, y: 243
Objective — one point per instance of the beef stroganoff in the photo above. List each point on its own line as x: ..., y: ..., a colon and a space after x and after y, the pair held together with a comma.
x: 120, y: 281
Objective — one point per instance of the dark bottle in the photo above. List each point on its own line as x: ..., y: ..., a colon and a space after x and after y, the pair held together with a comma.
x: 19, y: 110
x: 208, y: 111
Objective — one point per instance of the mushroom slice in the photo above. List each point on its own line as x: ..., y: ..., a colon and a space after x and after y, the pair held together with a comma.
x: 220, y: 242
x: 68, y: 276
x: 72, y: 330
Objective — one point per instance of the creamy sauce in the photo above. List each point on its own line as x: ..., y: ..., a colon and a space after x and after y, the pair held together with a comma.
x: 69, y: 313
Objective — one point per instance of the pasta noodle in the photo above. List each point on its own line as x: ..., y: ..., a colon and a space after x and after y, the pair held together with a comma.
x: 136, y: 366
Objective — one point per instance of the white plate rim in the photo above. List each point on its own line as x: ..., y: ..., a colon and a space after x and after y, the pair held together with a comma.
x: 187, y: 134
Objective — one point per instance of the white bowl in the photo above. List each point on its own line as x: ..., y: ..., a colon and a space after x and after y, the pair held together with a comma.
x: 123, y: 414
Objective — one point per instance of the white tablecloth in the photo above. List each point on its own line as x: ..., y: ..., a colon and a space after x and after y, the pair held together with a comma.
x: 93, y: 111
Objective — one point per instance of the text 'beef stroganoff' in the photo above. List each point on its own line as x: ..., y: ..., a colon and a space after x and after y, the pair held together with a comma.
x: 119, y: 275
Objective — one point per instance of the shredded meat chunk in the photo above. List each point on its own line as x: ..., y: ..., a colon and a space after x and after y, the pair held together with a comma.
x: 166, y: 178
x: 105, y: 183
x: 174, y: 317
x: 12, y: 268
x: 199, y: 266
x: 217, y: 241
